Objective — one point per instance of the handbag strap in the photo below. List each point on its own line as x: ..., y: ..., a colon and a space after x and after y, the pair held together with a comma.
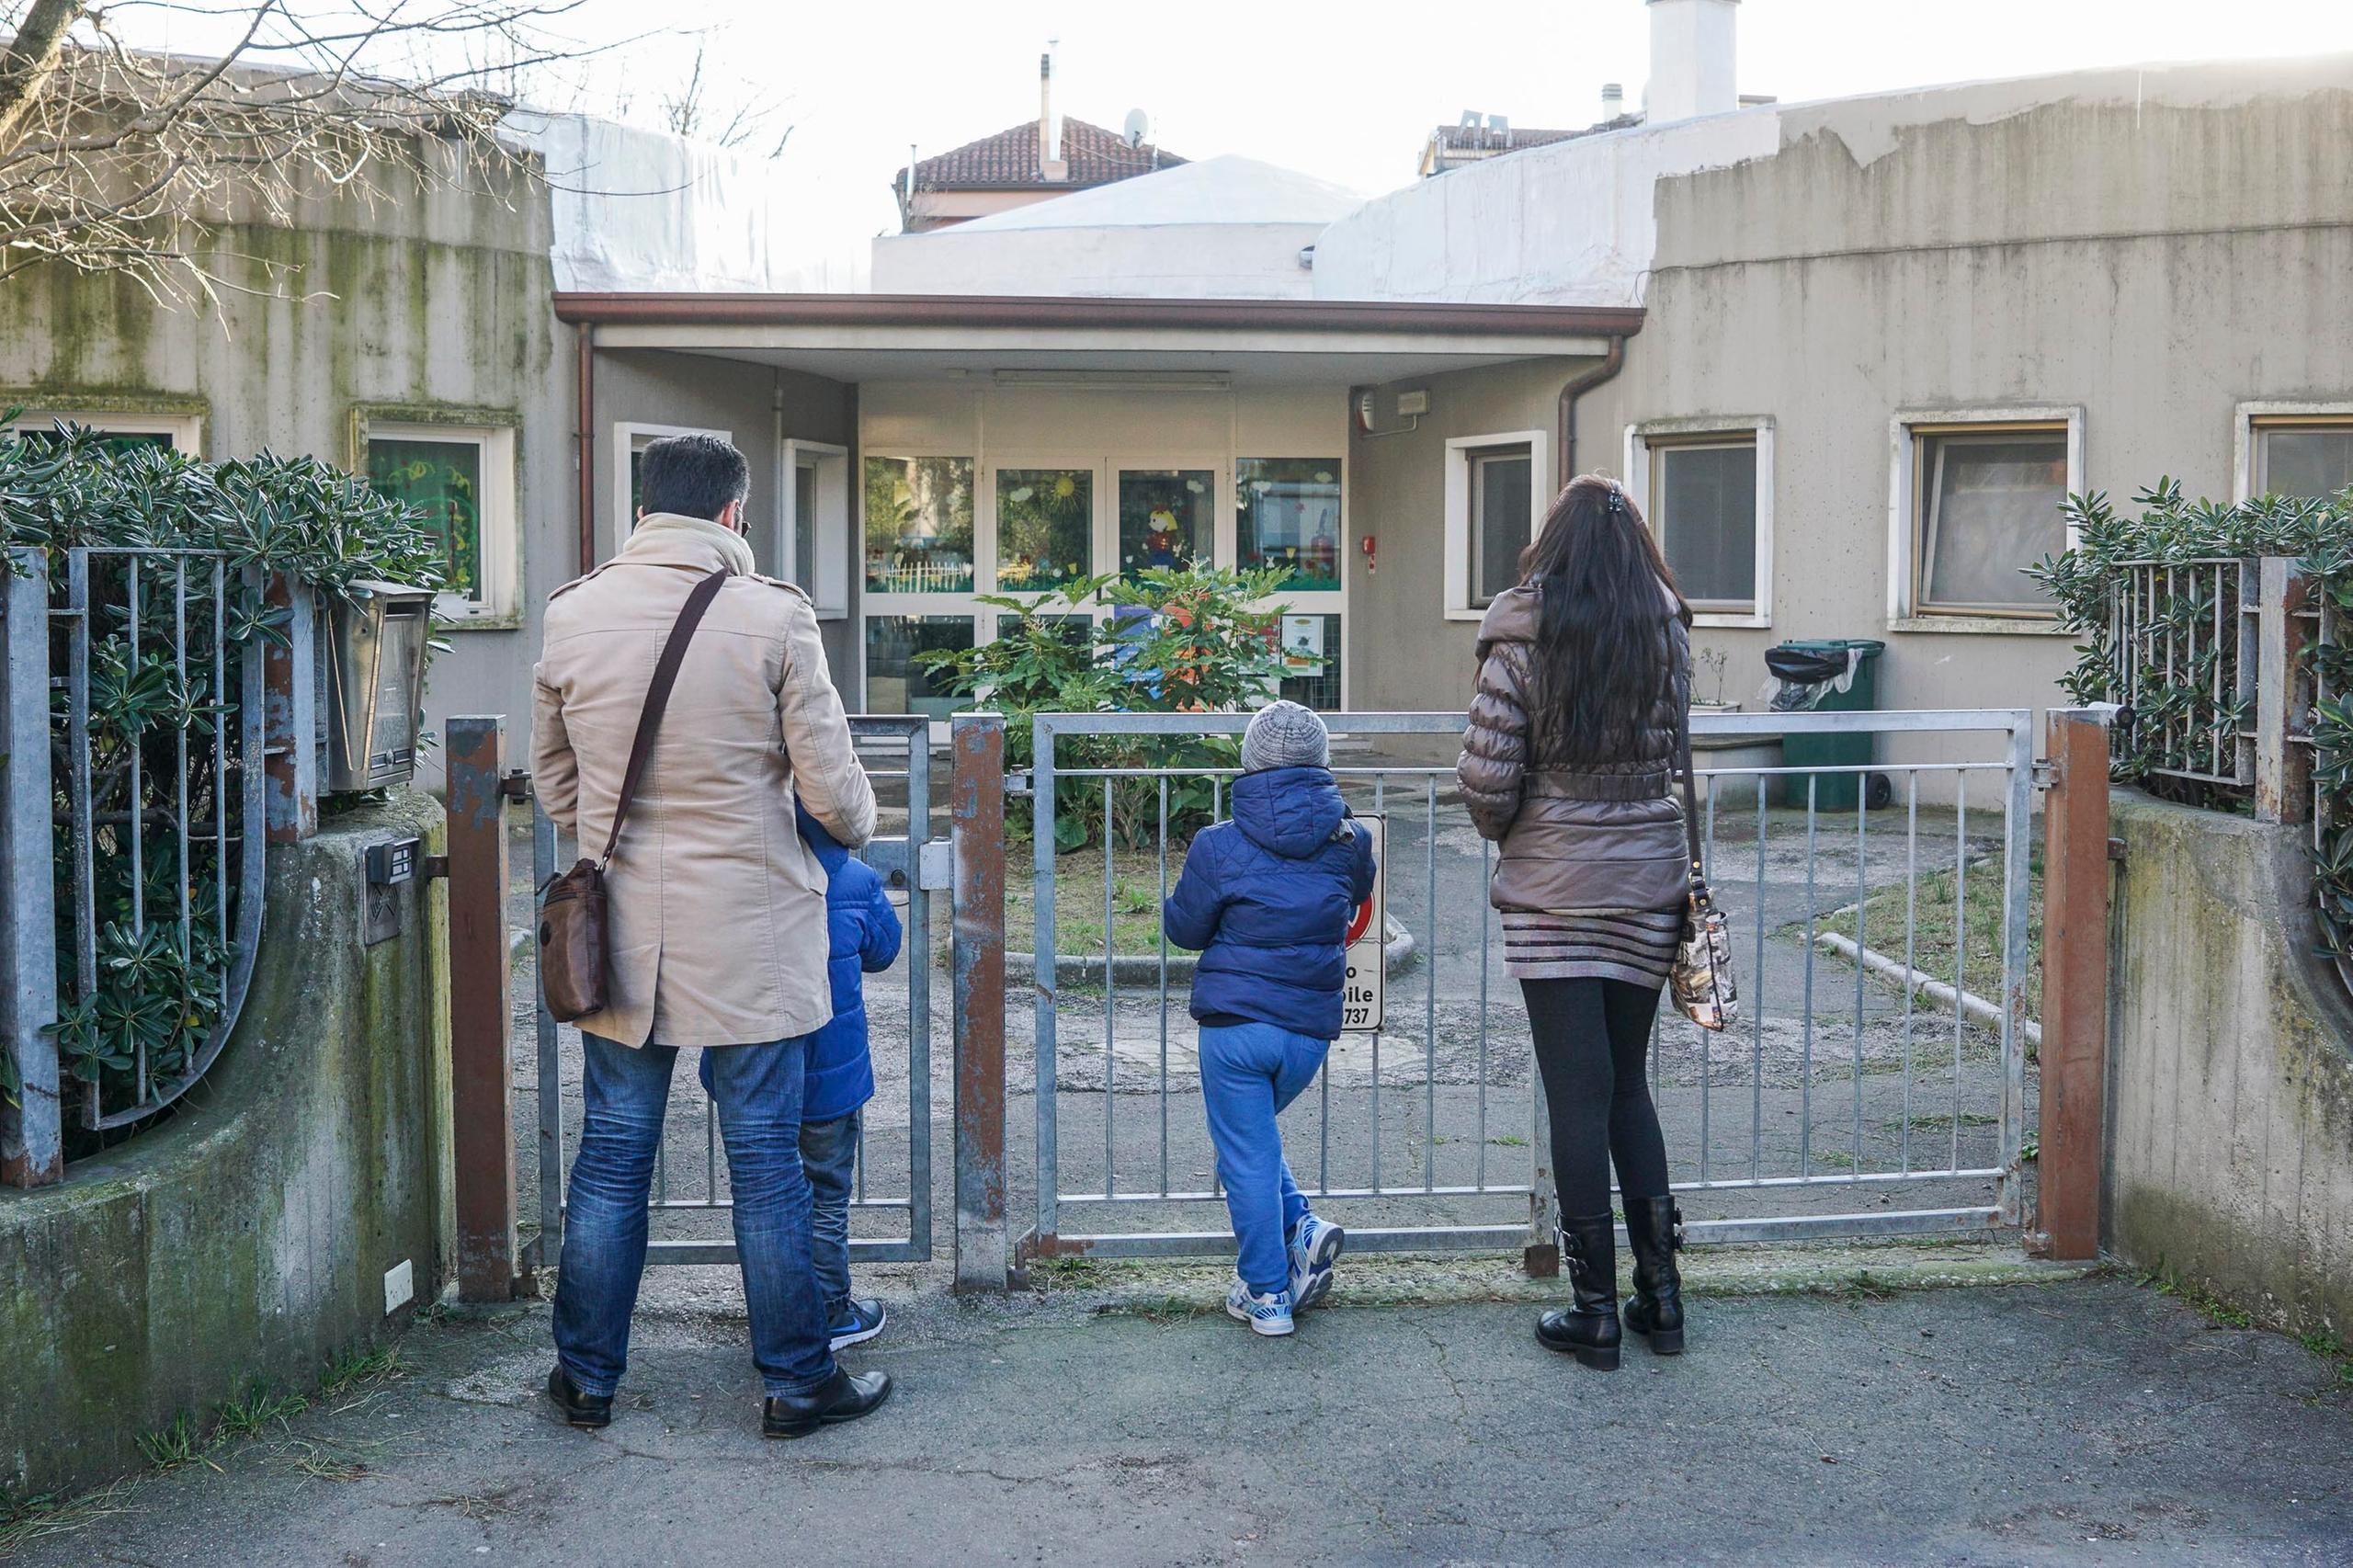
x: 657, y: 698
x: 1690, y: 794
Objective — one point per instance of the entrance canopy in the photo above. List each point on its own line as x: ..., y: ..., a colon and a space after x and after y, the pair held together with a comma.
x: 860, y: 337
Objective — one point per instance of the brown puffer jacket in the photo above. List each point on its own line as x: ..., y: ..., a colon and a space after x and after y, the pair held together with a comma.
x: 1577, y: 833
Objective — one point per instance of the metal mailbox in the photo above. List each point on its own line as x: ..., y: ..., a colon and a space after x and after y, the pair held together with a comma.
x: 375, y: 680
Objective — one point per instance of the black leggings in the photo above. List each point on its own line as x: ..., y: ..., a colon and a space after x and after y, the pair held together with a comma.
x: 1592, y: 1038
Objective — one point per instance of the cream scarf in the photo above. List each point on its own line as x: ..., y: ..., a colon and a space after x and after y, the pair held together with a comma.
x: 734, y: 548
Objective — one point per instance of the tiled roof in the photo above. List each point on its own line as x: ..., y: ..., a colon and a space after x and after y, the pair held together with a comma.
x: 1008, y: 161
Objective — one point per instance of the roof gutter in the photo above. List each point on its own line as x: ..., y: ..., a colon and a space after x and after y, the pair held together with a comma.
x: 1057, y: 310
x: 1577, y: 386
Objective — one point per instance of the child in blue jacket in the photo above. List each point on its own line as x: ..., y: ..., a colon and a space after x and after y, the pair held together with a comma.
x: 1266, y: 899
x: 861, y: 937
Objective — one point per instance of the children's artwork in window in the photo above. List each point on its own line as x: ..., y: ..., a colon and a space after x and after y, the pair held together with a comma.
x: 443, y: 480
x: 1168, y: 517
x: 1045, y: 526
x: 919, y: 525
x: 1287, y: 514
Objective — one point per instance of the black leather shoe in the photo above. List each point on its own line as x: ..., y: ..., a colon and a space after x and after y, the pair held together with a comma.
x: 839, y: 1398
x: 588, y: 1411
x: 1656, y: 1310
x: 1588, y: 1328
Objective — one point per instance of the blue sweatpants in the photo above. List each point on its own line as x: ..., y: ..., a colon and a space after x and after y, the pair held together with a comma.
x: 1249, y: 1072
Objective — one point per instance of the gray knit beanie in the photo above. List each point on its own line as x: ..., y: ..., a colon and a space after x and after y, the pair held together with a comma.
x: 1284, y: 735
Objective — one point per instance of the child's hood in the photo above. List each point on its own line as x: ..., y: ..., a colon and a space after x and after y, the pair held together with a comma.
x: 1293, y: 811
x: 828, y: 850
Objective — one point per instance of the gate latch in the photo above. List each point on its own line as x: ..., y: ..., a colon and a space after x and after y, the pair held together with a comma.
x: 936, y: 866
x: 2046, y: 774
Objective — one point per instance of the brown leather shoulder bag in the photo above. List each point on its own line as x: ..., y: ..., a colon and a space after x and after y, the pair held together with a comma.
x: 571, y: 906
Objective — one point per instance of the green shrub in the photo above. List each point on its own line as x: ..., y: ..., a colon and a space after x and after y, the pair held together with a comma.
x: 1179, y: 640
x: 158, y: 989
x: 2199, y: 695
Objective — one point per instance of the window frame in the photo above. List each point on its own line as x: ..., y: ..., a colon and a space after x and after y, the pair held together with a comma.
x: 2251, y: 421
x: 185, y: 429
x: 1906, y: 609
x: 828, y: 586
x: 1710, y: 430
x: 1462, y: 602
x: 500, y: 609
x: 631, y: 436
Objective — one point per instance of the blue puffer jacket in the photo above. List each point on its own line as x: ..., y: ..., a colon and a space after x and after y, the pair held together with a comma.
x: 861, y: 937
x: 1266, y: 898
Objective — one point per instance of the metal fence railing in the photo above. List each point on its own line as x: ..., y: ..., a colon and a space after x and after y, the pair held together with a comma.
x: 1849, y: 1099
x: 136, y: 773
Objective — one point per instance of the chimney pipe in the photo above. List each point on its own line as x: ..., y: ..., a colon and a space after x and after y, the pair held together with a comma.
x: 1613, y: 101
x: 1050, y: 163
x: 1692, y: 59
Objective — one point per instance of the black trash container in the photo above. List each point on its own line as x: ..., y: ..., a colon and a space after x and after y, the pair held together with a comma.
x: 1831, y: 676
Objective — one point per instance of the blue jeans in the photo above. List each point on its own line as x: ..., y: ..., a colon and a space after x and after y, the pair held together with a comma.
x: 757, y: 1088
x: 1250, y: 1071
x: 829, y: 1153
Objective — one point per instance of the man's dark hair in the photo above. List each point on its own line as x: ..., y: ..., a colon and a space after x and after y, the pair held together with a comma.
x: 694, y: 476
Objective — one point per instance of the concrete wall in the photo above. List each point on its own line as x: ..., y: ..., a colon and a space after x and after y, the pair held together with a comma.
x: 1192, y: 261
x: 2153, y: 248
x: 434, y: 304
x: 2229, y: 1069
x: 248, y: 1235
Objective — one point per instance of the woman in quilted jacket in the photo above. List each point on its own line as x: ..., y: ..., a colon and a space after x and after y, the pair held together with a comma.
x: 1569, y: 766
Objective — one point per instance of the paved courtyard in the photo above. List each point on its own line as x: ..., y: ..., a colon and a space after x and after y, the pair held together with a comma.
x: 2078, y: 1421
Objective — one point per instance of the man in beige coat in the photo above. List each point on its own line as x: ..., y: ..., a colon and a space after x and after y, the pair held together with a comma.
x: 716, y: 924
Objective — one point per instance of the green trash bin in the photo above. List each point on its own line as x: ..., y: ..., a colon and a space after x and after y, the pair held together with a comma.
x: 1811, y: 674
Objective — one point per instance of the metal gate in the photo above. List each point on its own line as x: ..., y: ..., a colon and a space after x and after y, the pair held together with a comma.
x: 695, y: 1184
x: 1875, y: 1083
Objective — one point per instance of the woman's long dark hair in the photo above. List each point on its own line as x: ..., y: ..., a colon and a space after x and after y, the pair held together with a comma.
x: 1602, y: 652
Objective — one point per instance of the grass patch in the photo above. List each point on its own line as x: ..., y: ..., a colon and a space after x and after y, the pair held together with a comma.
x: 2199, y: 1300
x: 1836, y: 1159
x: 1940, y: 923
x: 1943, y: 1122
x: 169, y: 1447
x: 1078, y: 903
x: 23, y: 1520
x: 2324, y: 1344
x: 357, y: 1367
x: 258, y: 1409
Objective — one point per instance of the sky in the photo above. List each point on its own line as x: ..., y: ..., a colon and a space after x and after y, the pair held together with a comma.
x: 1343, y: 90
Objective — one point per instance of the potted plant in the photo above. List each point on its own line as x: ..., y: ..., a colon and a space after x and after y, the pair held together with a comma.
x: 1711, y: 662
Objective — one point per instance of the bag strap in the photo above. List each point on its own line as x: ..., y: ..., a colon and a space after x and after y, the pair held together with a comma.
x: 1690, y: 794
x: 657, y: 698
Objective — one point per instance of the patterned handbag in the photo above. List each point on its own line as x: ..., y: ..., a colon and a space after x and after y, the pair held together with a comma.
x: 1701, y: 981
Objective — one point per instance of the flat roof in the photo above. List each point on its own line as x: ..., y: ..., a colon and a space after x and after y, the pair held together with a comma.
x: 1044, y: 311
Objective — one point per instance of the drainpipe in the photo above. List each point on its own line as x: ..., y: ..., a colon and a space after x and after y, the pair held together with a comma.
x: 586, y: 440
x: 1576, y: 387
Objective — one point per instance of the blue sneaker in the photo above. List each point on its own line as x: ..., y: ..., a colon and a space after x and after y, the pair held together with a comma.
x: 855, y: 1323
x: 1315, y: 1245
x: 1268, y: 1314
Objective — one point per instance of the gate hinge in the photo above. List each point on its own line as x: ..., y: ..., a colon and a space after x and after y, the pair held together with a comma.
x: 517, y: 785
x: 1017, y: 783
x: 2046, y: 774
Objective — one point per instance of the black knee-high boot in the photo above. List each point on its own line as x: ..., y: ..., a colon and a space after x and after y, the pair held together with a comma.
x: 1657, y: 1311
x: 1588, y: 1328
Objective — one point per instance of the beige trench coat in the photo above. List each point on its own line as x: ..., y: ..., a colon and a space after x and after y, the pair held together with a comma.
x: 716, y: 933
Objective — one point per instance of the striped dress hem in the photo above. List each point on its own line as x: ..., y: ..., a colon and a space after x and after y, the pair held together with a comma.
x: 1634, y: 946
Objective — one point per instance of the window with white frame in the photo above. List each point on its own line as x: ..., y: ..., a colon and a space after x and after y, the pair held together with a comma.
x: 461, y: 477
x: 630, y: 441
x: 1706, y: 488
x: 176, y: 432
x: 811, y: 547
x: 2307, y: 454
x: 1491, y: 515
x: 1979, y: 499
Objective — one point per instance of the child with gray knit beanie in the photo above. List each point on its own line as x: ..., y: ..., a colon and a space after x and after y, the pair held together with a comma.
x: 1267, y: 900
